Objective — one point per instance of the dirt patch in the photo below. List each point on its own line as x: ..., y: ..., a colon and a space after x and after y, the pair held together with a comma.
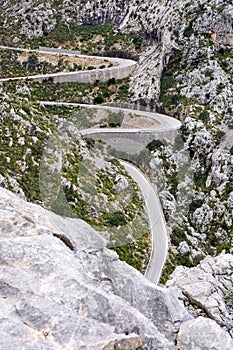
x: 66, y: 62
x: 133, y: 121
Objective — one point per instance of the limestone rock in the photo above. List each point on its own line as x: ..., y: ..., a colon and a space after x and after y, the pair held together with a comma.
x: 168, y: 201
x: 204, y: 288
x: 61, y: 288
x: 203, y: 334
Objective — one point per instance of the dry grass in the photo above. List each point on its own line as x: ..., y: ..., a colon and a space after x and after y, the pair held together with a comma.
x: 67, y: 61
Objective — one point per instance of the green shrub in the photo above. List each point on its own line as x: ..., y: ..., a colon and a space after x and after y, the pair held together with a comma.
x: 195, y: 204
x: 178, y: 235
x: 188, y: 30
x: 115, y: 219
x: 228, y: 296
x: 98, y: 99
x: 153, y: 145
x: 115, y: 119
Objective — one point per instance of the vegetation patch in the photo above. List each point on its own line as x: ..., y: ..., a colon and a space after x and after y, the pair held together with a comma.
x: 96, y: 93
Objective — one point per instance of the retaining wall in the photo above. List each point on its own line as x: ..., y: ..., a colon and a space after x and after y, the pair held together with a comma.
x: 141, y: 137
x: 102, y: 75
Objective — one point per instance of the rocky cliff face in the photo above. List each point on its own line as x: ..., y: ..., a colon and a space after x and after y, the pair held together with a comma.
x: 61, y: 288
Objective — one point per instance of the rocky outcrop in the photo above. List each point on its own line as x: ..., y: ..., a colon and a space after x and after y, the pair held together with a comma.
x: 202, y: 334
x: 206, y: 289
x: 61, y: 288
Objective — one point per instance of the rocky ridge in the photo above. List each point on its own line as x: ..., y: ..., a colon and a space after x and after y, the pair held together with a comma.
x: 62, y: 288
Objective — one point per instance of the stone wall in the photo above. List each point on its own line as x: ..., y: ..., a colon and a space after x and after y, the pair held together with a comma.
x: 142, y: 137
x: 119, y: 72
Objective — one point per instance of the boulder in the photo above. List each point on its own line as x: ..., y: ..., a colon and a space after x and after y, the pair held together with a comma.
x: 203, y: 334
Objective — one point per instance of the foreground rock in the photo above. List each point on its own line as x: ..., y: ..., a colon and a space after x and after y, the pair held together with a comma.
x: 206, y: 289
x: 61, y: 288
x: 202, y: 334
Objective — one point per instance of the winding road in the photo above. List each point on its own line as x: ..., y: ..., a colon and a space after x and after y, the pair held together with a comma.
x: 165, y: 125
x: 122, y: 68
x: 157, y: 224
